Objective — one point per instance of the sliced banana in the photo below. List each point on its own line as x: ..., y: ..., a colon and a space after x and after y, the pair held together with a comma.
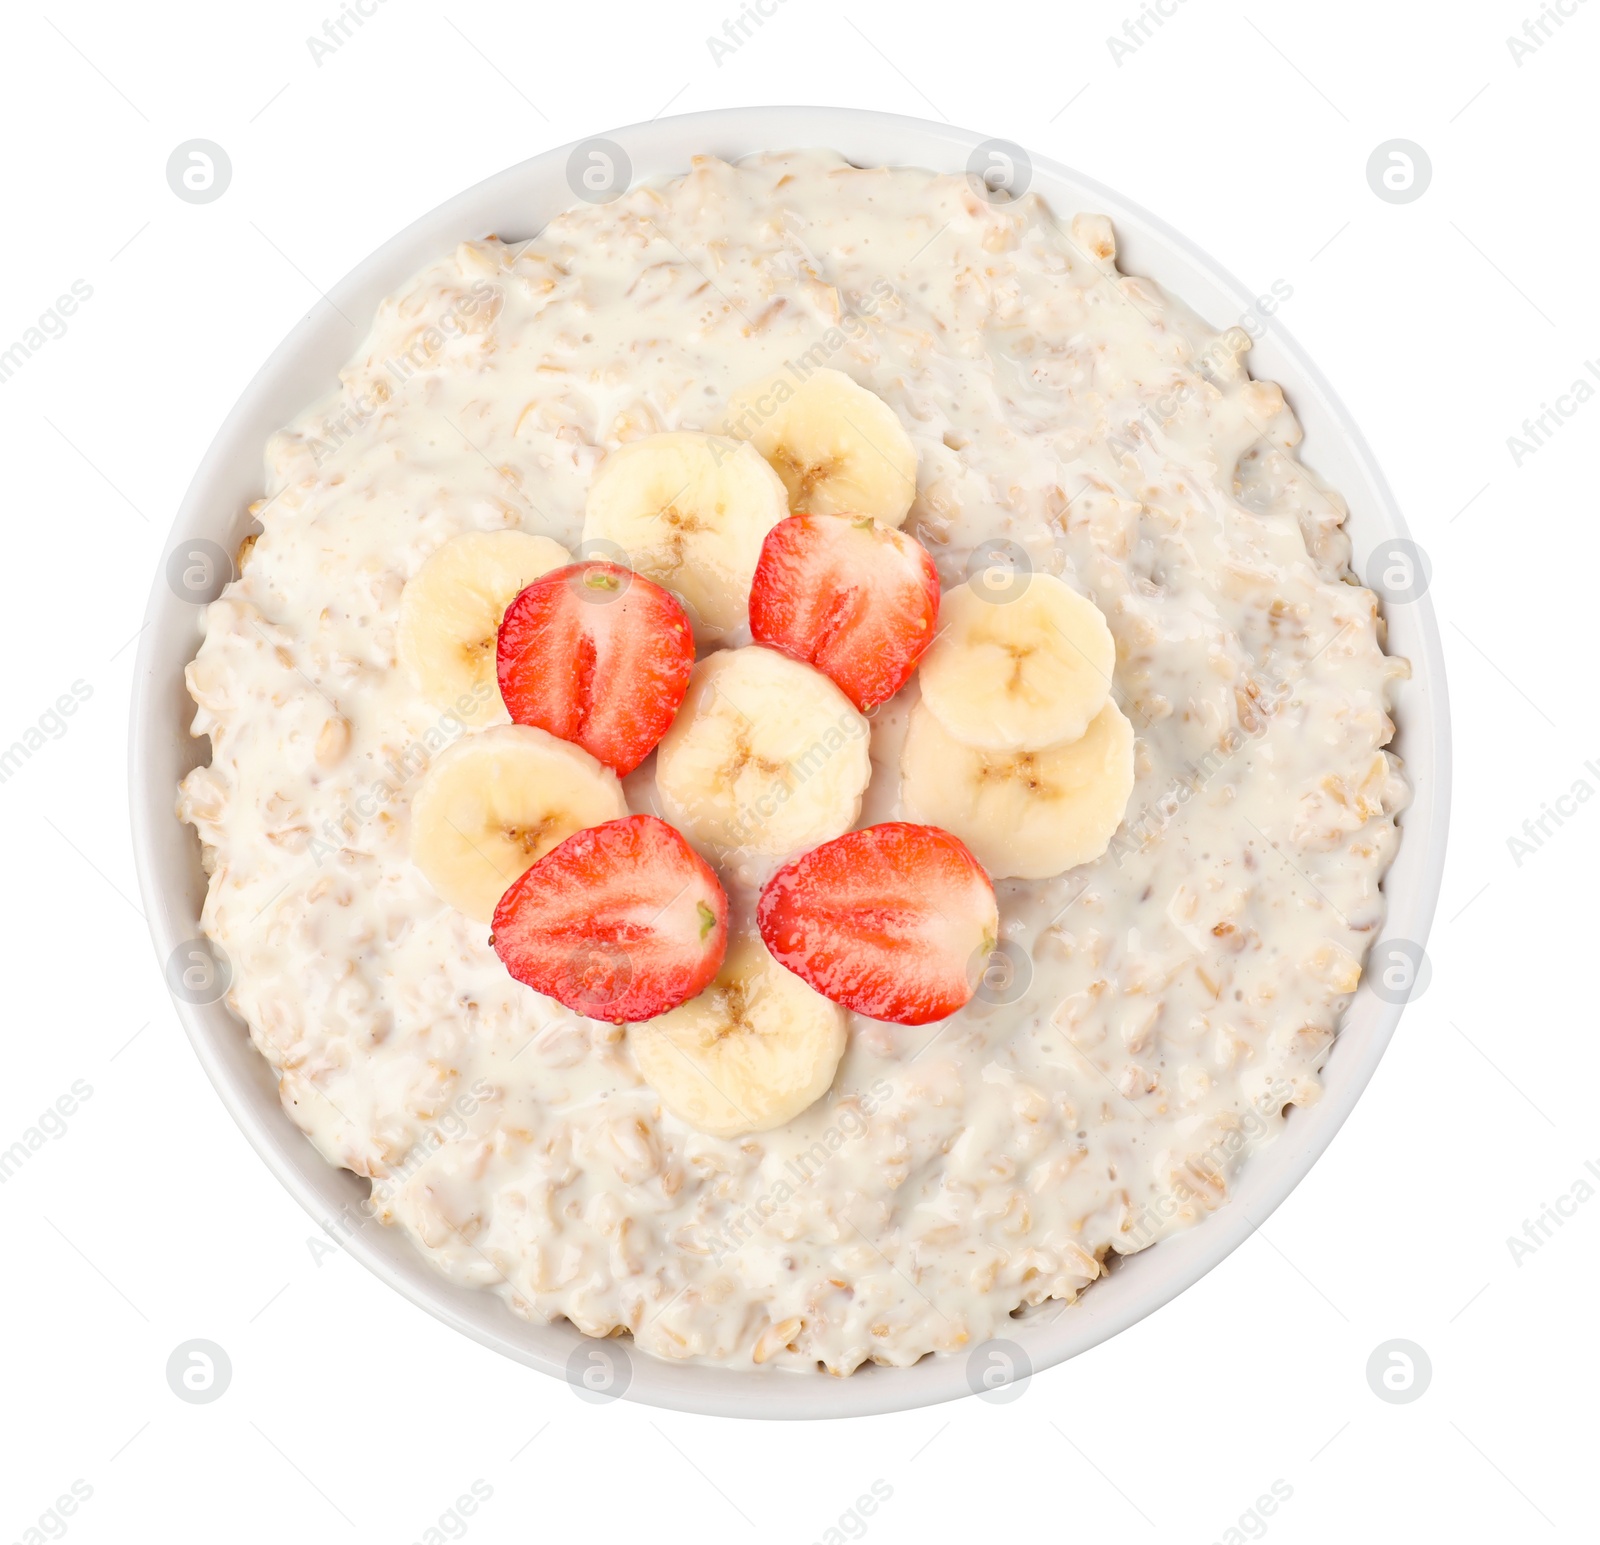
x: 839, y: 449
x: 450, y: 613
x: 767, y: 756
x: 748, y: 1054
x: 691, y: 511
x: 1027, y: 670
x: 497, y: 801
x: 1025, y: 814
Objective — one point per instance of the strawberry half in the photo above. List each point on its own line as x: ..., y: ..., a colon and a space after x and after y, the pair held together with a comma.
x: 896, y: 922
x: 597, y: 655
x: 855, y: 598
x: 620, y: 922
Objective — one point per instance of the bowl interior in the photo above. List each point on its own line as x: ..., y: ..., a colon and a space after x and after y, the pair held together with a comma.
x: 515, y: 204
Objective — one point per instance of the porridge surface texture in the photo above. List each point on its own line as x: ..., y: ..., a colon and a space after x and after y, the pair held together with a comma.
x: 1160, y: 1006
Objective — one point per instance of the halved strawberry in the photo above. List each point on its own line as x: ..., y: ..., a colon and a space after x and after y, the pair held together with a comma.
x: 620, y: 922
x: 855, y: 598
x: 896, y: 922
x: 597, y: 655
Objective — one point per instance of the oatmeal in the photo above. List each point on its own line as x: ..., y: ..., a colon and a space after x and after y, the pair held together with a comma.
x: 1147, y: 1015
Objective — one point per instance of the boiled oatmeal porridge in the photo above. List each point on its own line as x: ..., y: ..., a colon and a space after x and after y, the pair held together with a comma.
x: 796, y: 765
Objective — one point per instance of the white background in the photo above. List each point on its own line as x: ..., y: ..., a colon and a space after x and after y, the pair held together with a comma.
x: 352, y: 1416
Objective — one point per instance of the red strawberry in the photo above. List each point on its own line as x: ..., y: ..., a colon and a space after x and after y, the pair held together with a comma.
x: 896, y: 922
x: 620, y: 922
x: 852, y: 597
x: 598, y: 655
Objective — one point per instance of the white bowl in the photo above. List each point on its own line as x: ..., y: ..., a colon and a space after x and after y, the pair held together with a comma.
x: 515, y: 204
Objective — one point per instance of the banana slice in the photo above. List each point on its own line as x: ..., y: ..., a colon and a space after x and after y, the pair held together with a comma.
x: 1019, y: 673
x: 748, y: 1054
x: 766, y: 756
x: 497, y: 801
x: 1025, y: 814
x: 450, y: 613
x: 839, y: 449
x: 691, y: 511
